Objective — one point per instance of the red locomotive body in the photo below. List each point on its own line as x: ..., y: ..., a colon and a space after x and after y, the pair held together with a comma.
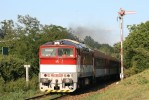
x: 66, y: 65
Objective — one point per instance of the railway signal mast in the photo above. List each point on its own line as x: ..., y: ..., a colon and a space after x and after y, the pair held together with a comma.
x: 121, y: 14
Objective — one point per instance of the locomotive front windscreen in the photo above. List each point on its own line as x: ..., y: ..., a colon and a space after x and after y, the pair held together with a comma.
x: 65, y: 52
x: 51, y: 52
x: 55, y: 51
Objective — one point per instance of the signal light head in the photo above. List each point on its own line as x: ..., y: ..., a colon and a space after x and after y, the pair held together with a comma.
x: 57, y: 43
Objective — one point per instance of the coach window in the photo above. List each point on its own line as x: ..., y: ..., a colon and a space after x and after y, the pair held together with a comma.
x: 100, y: 63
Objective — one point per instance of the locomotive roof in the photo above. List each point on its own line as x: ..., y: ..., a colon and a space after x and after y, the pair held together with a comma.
x: 68, y: 42
x: 82, y: 46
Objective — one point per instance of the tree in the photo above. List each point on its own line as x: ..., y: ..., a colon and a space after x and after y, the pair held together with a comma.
x: 7, y: 29
x: 11, y: 68
x: 107, y: 49
x: 23, y: 39
x: 117, y: 50
x: 136, y: 47
x: 89, y: 41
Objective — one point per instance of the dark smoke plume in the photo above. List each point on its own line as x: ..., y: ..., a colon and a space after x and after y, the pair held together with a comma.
x: 98, y: 33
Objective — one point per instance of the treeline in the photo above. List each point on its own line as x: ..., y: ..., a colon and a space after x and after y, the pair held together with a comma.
x: 23, y: 40
x: 24, y: 37
x: 136, y: 48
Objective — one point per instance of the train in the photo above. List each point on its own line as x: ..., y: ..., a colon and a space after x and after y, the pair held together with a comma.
x: 66, y: 65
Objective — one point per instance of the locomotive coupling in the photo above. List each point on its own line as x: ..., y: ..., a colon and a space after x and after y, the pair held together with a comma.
x: 56, y: 87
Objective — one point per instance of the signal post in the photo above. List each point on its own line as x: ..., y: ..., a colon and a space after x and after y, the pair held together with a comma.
x: 121, y: 14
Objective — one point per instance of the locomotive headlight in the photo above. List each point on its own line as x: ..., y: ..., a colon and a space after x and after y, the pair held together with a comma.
x: 67, y: 80
x: 45, y: 75
x: 57, y: 43
x: 44, y: 80
x: 68, y: 75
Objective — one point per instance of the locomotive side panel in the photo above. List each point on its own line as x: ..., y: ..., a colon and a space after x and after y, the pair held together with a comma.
x: 100, y: 66
x: 86, y: 69
x: 86, y: 64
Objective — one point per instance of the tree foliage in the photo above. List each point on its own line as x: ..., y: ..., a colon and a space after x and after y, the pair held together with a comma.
x: 105, y: 48
x: 23, y: 39
x: 11, y: 68
x: 90, y: 42
x: 136, y: 47
x: 117, y: 50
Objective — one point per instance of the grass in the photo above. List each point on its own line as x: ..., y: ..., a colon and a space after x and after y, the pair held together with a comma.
x: 135, y: 87
x: 17, y: 90
x: 19, y: 95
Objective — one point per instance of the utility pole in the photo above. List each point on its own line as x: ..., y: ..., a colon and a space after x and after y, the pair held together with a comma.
x: 121, y: 14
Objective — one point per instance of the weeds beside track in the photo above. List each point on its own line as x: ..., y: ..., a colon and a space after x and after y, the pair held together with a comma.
x: 52, y: 96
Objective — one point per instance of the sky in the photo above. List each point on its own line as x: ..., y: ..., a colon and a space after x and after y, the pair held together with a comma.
x: 95, y: 18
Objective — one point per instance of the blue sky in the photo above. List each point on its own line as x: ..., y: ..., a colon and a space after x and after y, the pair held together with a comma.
x: 97, y: 18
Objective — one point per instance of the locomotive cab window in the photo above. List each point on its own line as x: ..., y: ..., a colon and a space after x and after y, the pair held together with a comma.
x: 65, y: 52
x: 48, y: 52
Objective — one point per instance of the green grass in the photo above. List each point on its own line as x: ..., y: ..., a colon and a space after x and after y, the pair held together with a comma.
x: 19, y: 95
x: 17, y: 90
x: 135, y: 87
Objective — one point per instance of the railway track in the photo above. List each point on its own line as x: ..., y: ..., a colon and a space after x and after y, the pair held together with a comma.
x: 97, y: 88
x: 42, y: 96
x: 101, y: 86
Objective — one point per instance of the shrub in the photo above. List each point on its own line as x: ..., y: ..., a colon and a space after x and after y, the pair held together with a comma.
x: 20, y: 85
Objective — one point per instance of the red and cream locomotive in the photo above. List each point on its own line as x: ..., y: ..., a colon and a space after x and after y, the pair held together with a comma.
x: 66, y: 65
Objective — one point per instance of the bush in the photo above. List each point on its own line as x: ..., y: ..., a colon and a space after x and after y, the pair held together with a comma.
x: 11, y: 68
x: 14, y: 86
x: 131, y: 71
x: 1, y: 84
x: 20, y: 85
x: 34, y: 83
